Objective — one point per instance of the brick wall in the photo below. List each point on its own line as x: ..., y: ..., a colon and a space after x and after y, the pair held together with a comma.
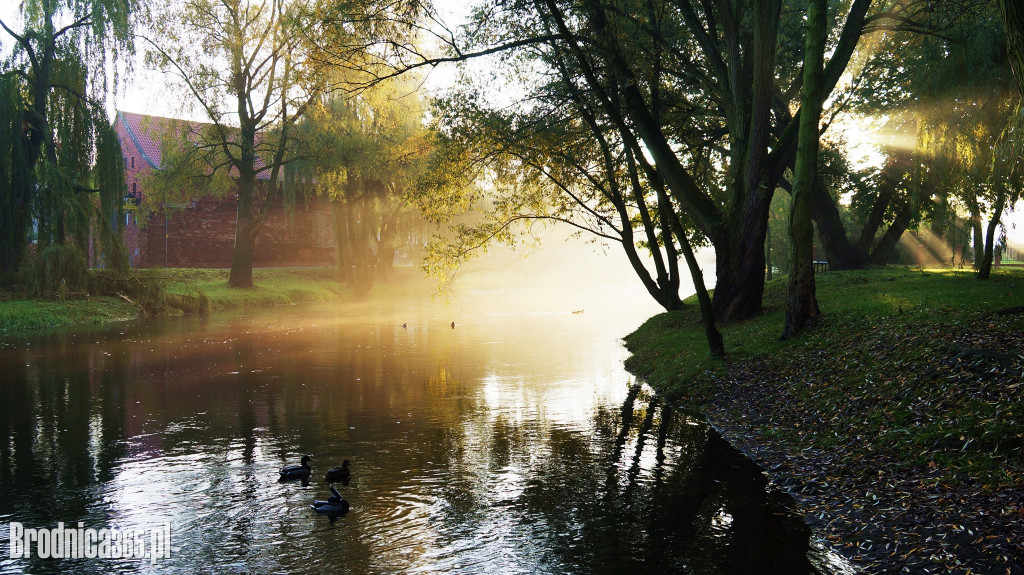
x: 202, y: 233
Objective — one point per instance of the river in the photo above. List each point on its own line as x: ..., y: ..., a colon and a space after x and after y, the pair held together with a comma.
x: 512, y: 443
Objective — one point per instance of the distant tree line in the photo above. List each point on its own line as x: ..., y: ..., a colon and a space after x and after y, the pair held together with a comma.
x: 662, y: 126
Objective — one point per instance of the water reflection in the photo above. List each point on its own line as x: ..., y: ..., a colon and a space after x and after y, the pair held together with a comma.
x: 512, y: 444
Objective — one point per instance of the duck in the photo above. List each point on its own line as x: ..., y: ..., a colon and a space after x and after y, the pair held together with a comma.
x: 301, y: 471
x: 341, y: 474
x: 333, y: 508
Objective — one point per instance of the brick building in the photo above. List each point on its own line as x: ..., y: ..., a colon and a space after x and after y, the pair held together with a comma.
x: 202, y: 233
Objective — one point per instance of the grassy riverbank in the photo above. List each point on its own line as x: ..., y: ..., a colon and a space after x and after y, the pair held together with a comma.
x: 273, y: 286
x: 24, y: 317
x: 897, y: 423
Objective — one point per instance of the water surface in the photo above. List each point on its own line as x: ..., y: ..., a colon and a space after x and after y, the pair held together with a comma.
x: 513, y: 443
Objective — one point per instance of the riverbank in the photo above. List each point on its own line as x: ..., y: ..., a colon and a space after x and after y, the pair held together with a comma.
x: 897, y: 423
x: 273, y: 286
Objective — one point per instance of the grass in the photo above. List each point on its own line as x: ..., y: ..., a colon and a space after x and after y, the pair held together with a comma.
x: 20, y: 317
x: 913, y: 376
x: 273, y: 286
x: 670, y: 351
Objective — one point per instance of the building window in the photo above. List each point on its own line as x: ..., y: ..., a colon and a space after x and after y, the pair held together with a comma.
x: 133, y: 188
x: 133, y: 163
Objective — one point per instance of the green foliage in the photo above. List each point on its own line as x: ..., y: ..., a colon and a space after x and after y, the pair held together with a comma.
x: 187, y: 170
x: 56, y: 271
x: 52, y: 94
x: 366, y: 153
x: 945, y: 98
x: 109, y: 178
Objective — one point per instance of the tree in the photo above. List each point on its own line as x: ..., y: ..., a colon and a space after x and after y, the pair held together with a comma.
x: 673, y: 77
x: 51, y: 94
x: 366, y: 153
x: 1011, y: 141
x: 801, y: 301
x: 561, y: 162
x: 247, y: 66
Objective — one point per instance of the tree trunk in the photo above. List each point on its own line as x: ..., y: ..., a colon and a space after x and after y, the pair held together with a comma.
x: 707, y: 311
x: 985, y: 269
x: 840, y: 253
x: 976, y: 233
x: 885, y: 246
x: 940, y: 213
x: 241, y: 256
x: 739, y: 269
x: 246, y: 227
x: 340, y: 241
x: 801, y: 301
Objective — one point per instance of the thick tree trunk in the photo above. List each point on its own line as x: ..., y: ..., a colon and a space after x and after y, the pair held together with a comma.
x: 840, y: 253
x: 246, y: 226
x: 801, y: 300
x: 739, y: 267
x: 885, y: 246
x: 241, y: 256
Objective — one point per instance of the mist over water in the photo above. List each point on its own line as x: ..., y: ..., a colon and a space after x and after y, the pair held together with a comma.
x: 512, y: 443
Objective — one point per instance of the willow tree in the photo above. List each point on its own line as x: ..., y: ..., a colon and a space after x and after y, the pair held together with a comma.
x: 1011, y: 141
x: 245, y: 65
x: 52, y: 94
x: 366, y: 152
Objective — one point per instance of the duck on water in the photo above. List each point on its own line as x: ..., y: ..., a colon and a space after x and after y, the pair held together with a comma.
x: 333, y: 508
x: 341, y: 474
x: 301, y: 471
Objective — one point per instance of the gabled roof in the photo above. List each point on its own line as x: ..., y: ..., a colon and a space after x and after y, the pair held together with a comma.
x: 147, y: 133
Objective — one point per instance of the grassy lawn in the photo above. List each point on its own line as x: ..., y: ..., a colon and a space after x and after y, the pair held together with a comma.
x: 36, y: 316
x: 273, y: 286
x: 906, y: 397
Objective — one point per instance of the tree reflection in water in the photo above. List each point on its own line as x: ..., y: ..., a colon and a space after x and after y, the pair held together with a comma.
x: 477, y: 450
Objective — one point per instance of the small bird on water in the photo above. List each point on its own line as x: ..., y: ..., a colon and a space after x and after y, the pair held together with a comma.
x: 333, y: 508
x: 301, y: 471
x: 453, y: 325
x: 341, y: 474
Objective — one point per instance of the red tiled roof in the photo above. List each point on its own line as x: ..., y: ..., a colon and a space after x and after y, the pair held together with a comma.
x: 147, y: 133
